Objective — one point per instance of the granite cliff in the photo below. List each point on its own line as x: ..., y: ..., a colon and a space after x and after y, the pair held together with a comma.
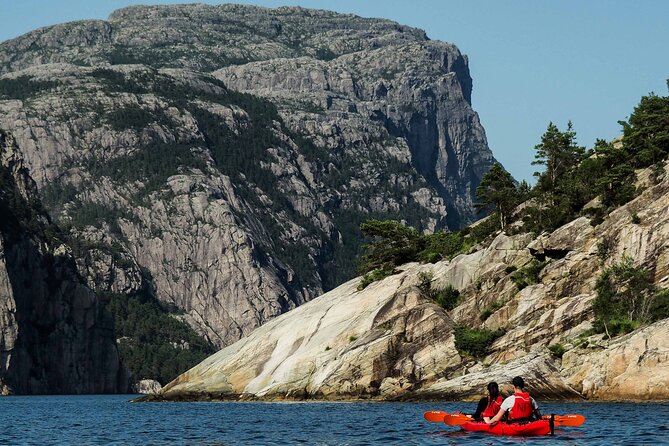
x: 223, y: 156
x: 55, y: 335
x: 390, y: 341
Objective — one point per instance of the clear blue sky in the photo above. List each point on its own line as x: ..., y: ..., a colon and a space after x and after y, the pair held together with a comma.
x: 532, y: 61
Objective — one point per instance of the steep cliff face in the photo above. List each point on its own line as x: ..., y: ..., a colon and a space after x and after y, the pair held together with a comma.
x: 237, y: 207
x: 390, y: 341
x: 55, y: 336
x: 418, y: 91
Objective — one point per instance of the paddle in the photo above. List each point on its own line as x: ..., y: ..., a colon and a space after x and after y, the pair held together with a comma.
x: 457, y: 419
x: 571, y: 419
x: 453, y: 419
x: 435, y: 416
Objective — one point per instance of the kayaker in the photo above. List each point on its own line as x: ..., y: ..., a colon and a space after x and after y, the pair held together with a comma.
x: 521, y: 407
x: 489, y: 405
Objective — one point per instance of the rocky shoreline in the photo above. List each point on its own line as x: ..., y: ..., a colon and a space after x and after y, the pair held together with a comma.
x: 391, y: 342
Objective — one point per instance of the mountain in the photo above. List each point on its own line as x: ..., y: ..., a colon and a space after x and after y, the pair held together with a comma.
x: 56, y: 336
x: 226, y: 155
x: 527, y: 307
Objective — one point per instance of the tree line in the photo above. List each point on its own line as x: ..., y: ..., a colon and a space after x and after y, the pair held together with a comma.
x: 572, y: 176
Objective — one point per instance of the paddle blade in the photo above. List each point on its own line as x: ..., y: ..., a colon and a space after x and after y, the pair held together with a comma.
x: 567, y: 420
x: 456, y: 419
x: 435, y: 416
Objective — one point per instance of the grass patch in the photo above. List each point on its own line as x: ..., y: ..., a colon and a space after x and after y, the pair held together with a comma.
x: 447, y: 297
x: 490, y: 309
x: 557, y: 350
x: 528, y: 275
x: 374, y: 275
x: 475, y: 342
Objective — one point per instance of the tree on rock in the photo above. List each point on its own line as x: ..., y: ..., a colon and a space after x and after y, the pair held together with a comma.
x: 646, y: 134
x: 559, y: 152
x: 392, y: 244
x: 497, y: 190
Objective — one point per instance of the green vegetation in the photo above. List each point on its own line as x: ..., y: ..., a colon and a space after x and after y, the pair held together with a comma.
x: 604, y: 247
x: 151, y: 165
x: 23, y: 87
x: 627, y: 298
x: 490, y: 309
x: 134, y: 117
x: 442, y: 245
x: 573, y: 176
x: 646, y: 134
x: 447, y: 297
x: 498, y: 191
x: 528, y: 275
x: 153, y: 343
x: 393, y: 244
x: 323, y: 53
x: 475, y: 342
x: 374, y: 275
x: 557, y: 350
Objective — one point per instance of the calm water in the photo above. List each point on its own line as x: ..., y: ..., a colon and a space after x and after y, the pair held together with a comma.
x: 110, y: 420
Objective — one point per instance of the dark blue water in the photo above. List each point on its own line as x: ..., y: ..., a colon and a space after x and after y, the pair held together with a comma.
x: 110, y: 420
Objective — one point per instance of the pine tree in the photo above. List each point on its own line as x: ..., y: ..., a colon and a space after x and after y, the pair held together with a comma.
x: 559, y: 152
x: 646, y: 135
x: 498, y: 190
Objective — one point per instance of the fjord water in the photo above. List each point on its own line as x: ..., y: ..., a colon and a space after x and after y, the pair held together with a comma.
x: 111, y: 420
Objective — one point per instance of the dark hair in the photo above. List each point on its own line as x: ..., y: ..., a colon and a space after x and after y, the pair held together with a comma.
x: 518, y: 382
x: 493, y: 390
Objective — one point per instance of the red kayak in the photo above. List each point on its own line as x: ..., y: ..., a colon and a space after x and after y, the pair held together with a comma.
x: 539, y: 427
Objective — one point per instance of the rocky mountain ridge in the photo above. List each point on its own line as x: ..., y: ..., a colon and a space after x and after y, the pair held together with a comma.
x: 224, y: 156
x: 389, y: 341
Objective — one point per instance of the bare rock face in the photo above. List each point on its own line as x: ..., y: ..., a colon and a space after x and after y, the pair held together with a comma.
x: 381, y: 341
x: 55, y: 337
x: 541, y: 373
x: 419, y: 91
x: 237, y: 207
x: 390, y: 342
x: 147, y: 387
x: 634, y: 366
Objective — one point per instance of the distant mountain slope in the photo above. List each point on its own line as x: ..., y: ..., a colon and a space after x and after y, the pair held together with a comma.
x: 239, y: 207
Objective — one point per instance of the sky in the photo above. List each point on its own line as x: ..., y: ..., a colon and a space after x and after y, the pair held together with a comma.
x: 532, y: 62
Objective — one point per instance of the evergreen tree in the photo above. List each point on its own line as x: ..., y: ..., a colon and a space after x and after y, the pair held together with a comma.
x: 497, y: 190
x: 614, y: 180
x: 392, y: 244
x: 559, y: 152
x: 646, y: 135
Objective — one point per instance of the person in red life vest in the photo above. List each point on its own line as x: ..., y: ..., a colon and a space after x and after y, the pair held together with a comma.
x: 520, y: 406
x: 489, y: 405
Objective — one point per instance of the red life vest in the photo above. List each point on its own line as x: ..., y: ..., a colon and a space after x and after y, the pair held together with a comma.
x: 493, y: 407
x: 522, y: 407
